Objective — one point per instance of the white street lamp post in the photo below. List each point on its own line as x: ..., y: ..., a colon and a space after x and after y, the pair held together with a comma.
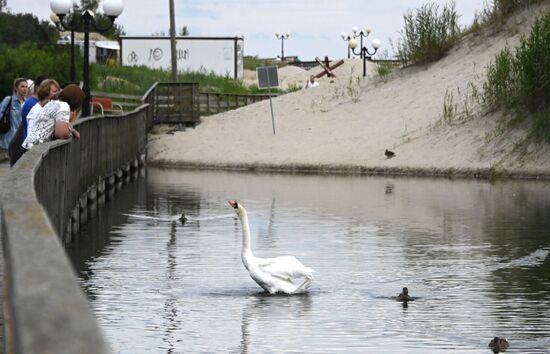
x: 361, y: 33
x: 111, y: 8
x: 363, y: 51
x: 346, y: 38
x: 282, y: 37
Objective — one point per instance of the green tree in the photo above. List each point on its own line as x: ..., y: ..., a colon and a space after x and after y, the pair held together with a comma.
x: 90, y: 5
x: 39, y: 32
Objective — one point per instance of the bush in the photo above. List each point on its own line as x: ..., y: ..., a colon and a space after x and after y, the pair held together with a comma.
x: 520, y: 81
x: 500, y: 10
x: 20, y: 28
x: 29, y: 60
x: 428, y: 33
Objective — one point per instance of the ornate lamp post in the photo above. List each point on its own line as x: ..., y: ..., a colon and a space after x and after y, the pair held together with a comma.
x: 282, y: 37
x: 361, y: 34
x: 72, y: 70
x: 363, y: 51
x: 111, y: 8
x: 347, y: 39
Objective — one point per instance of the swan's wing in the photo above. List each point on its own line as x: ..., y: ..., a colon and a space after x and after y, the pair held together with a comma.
x: 287, y: 268
x: 261, y: 279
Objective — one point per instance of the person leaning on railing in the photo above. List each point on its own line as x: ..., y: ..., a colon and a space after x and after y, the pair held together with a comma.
x: 55, y: 118
x: 47, y: 90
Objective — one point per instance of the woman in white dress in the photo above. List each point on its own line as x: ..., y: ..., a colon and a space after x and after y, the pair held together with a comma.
x: 47, y: 90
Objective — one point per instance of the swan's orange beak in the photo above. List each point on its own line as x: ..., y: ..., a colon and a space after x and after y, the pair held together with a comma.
x: 233, y: 204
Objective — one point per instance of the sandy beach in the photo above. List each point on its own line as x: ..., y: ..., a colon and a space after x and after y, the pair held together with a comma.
x: 346, y: 123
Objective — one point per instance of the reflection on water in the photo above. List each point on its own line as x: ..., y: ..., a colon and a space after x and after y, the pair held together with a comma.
x: 474, y: 255
x: 279, y: 311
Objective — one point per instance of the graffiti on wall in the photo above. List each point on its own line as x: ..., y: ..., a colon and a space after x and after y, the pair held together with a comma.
x: 156, y: 54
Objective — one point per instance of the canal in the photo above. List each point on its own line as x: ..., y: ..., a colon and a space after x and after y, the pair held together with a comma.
x: 473, y: 254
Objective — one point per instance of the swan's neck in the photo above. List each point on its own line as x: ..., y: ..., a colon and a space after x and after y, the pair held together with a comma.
x: 246, y: 252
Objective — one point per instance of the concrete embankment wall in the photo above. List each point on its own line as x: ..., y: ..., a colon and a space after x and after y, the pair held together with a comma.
x: 43, y: 201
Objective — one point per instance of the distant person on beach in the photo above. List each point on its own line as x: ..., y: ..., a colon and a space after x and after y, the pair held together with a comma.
x: 311, y: 82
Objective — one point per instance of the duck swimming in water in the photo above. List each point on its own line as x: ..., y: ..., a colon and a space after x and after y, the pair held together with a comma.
x: 499, y: 344
x: 404, y: 295
x: 182, y: 219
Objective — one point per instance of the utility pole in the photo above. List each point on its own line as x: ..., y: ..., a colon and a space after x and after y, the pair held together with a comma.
x: 173, y: 42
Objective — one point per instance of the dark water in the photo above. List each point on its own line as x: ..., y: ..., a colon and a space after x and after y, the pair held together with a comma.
x: 474, y: 254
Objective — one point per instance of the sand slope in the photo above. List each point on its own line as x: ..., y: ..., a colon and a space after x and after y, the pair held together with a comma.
x: 346, y: 124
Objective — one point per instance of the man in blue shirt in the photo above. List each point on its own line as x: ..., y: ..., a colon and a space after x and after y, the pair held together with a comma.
x: 29, y: 103
x: 19, y: 94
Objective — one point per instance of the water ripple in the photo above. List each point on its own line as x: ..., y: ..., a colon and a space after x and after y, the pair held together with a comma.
x: 161, y: 286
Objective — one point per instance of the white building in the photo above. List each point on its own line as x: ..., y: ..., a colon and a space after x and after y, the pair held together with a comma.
x: 101, y: 49
x: 220, y: 55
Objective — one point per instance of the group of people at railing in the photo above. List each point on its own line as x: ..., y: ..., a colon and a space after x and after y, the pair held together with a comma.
x: 37, y: 112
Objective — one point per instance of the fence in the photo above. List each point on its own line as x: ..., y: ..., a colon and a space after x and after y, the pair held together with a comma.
x: 177, y: 102
x: 128, y: 102
x: 213, y: 103
x: 174, y: 102
x: 45, y: 309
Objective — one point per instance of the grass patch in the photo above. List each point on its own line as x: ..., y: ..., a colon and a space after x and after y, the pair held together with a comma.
x: 352, y: 89
x: 138, y: 79
x: 428, y: 33
x: 466, y: 106
x: 498, y: 11
x: 253, y: 62
x: 385, y: 66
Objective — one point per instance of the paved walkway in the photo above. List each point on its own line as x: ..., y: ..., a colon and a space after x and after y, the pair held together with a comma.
x: 4, y: 167
x: 3, y: 155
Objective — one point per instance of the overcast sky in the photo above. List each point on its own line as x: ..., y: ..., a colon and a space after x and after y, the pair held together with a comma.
x: 314, y: 25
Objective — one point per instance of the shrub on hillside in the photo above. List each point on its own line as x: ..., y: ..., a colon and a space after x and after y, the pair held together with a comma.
x: 428, y: 33
x: 520, y: 82
x: 500, y: 10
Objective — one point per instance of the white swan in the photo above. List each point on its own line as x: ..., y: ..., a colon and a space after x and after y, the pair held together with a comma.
x: 283, y: 274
